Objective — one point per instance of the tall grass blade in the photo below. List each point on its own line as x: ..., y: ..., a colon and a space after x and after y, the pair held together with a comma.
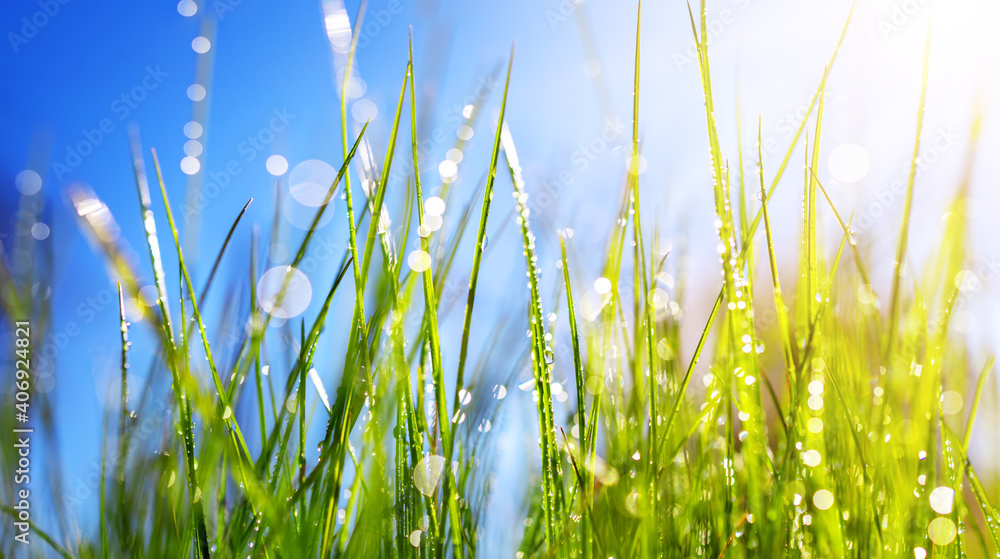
x: 541, y: 360
x: 477, y: 256
x: 904, y: 231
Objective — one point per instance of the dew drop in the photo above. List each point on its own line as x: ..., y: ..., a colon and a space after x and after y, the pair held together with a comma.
x: 427, y: 474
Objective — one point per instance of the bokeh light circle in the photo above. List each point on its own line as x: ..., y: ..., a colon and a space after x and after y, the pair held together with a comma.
x: 302, y: 216
x: 297, y: 293
x: 187, y: 8
x: 364, y: 110
x: 193, y: 148
x: 310, y: 181
x: 192, y: 130
x: 196, y: 92
x: 201, y: 45
x: 28, y: 182
x: 190, y: 165
x: 40, y: 231
x: 276, y: 165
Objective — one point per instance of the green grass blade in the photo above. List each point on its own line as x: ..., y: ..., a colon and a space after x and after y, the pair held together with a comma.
x: 445, y: 419
x: 585, y: 477
x: 552, y: 483
x: 222, y: 251
x: 980, y: 386
x: 123, y: 420
x: 225, y: 409
x: 152, y: 240
x: 899, y: 268
x: 103, y: 521
x: 787, y: 336
x: 46, y: 537
x: 477, y: 256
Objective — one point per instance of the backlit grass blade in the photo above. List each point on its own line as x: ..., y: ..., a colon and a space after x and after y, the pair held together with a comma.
x: 222, y: 251
x: 177, y: 370
x: 255, y: 317
x: 225, y: 410
x: 541, y: 359
x: 445, y: 420
x: 224, y: 407
x: 904, y: 232
x: 42, y: 533
x: 753, y: 224
x: 647, y: 322
x: 477, y: 256
x: 737, y: 352
x: 979, y: 492
x: 344, y: 95
x: 152, y: 240
x: 744, y: 217
x: 123, y: 418
x: 980, y: 385
x: 345, y: 409
x: 585, y: 476
x: 689, y: 372
x: 862, y: 269
x: 102, y: 496
x: 787, y: 341
x: 810, y: 264
x: 198, y: 528
x: 103, y: 231
x: 798, y: 132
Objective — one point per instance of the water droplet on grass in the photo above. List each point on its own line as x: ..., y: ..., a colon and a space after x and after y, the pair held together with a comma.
x: 427, y: 474
x: 823, y: 499
x: 942, y: 500
x: 284, y: 292
x: 664, y: 350
x: 942, y: 531
x: 418, y: 260
x: 602, y: 285
x: 310, y: 181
